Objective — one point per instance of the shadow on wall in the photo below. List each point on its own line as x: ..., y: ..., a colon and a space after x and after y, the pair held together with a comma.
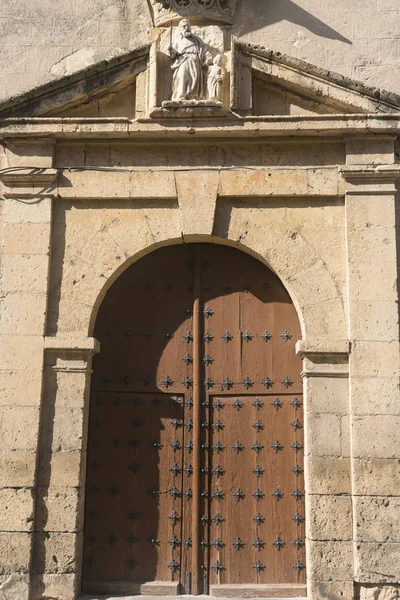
x: 256, y: 15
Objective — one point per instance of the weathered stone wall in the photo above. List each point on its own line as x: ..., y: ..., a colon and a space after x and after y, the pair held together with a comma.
x: 42, y: 40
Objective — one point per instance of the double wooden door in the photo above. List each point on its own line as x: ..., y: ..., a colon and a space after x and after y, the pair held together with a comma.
x: 195, y: 445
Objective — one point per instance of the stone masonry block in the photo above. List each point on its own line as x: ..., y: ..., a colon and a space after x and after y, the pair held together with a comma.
x: 15, y: 552
x: 16, y: 509
x: 14, y: 385
x: 376, y: 436
x: 375, y: 359
x: 21, y: 352
x: 59, y: 510
x: 25, y: 273
x: 331, y: 590
x: 373, y: 396
x: 63, y: 431
x: 62, y: 469
x: 327, y: 395
x: 18, y: 211
x: 328, y: 475
x: 330, y: 518
x: 376, y: 477
x: 15, y: 587
x: 19, y: 428
x: 374, y: 321
x: 330, y: 561
x: 61, y: 587
x: 26, y: 238
x: 377, y: 562
x: 17, y: 469
x: 23, y: 314
x: 54, y: 553
x: 380, y: 592
x: 323, y: 435
x: 68, y: 389
x: 377, y: 519
x: 370, y: 211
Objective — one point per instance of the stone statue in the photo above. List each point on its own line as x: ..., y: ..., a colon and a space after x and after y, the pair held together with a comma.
x: 216, y: 75
x: 190, y: 57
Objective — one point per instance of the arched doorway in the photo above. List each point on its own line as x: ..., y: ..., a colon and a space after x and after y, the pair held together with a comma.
x: 195, y: 444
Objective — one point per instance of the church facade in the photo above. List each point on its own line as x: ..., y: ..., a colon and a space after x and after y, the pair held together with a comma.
x: 200, y: 326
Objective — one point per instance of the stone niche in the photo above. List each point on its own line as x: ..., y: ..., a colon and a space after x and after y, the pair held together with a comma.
x: 212, y: 11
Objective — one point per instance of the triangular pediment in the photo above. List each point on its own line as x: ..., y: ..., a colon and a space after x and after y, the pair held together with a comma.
x: 105, y: 89
x: 270, y: 83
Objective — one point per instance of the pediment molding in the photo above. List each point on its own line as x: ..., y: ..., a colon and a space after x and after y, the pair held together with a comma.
x: 338, y: 93
x: 166, y: 12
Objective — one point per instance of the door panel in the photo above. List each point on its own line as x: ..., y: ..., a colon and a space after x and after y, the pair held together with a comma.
x: 195, y: 448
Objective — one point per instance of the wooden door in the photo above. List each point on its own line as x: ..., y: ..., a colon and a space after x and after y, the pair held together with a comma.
x: 195, y: 462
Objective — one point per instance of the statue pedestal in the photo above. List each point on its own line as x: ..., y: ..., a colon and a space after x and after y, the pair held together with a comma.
x: 189, y: 109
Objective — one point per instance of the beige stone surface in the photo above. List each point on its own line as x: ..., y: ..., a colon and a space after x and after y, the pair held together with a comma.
x: 17, y: 352
x: 371, y: 557
x: 17, y: 509
x: 330, y: 518
x: 23, y: 313
x: 54, y: 553
x: 21, y: 211
x: 197, y: 198
x: 376, y: 476
x: 328, y: 475
x: 17, y: 469
x: 331, y: 590
x: 323, y: 435
x: 19, y: 427
x: 378, y: 395
x: 328, y: 395
x: 15, y: 587
x: 25, y: 273
x: 26, y: 238
x: 14, y: 552
x: 378, y: 519
x: 63, y: 430
x: 59, y: 509
x: 15, y: 383
x: 61, y: 587
x: 330, y: 561
x: 380, y: 592
x: 376, y: 436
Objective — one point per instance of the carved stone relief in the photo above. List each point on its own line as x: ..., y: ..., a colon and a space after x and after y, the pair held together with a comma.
x: 221, y: 11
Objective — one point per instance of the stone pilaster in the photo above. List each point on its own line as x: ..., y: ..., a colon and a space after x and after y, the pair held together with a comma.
x: 27, y: 210
x: 58, y: 528
x: 372, y: 266
x: 327, y: 470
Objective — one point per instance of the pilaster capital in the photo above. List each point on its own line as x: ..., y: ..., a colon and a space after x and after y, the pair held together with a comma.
x: 370, y: 180
x: 70, y: 355
x: 322, y: 358
x: 33, y: 182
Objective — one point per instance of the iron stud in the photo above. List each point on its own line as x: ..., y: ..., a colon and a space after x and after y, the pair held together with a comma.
x: 207, y: 360
x: 218, y: 519
x: 298, y: 566
x: 154, y: 492
x: 176, y: 423
x: 173, y: 565
x: 257, y: 447
x: 168, y: 336
x: 258, y: 471
x: 132, y: 540
x: 298, y: 519
x: 188, y: 494
x: 218, y: 471
x: 204, y: 425
x: 227, y: 337
x: 298, y: 543
x: 237, y: 447
x: 208, y: 312
x: 297, y: 470
x: 218, y: 495
x: 227, y: 383
x: 174, y: 518
x: 167, y: 382
x: 187, y: 382
x: 148, y: 334
x: 297, y: 494
x: 258, y: 495
x: 189, y: 312
x: 248, y: 383
x: 246, y: 336
x: 218, y: 447
x: 189, y: 425
x: 174, y: 542
x: 258, y: 519
x: 218, y: 405
x: 237, y: 404
x: 174, y: 492
x: 114, y: 491
x: 175, y: 469
x: 95, y: 466
x: 239, y: 495
x: 246, y: 287
x: 204, y: 519
x: 258, y: 544
x: 94, y: 515
x: 126, y: 379
x: 208, y: 337
x: 133, y: 515
x: 134, y: 468
x: 237, y: 543
x: 258, y: 426
x: 277, y: 404
x: 287, y: 382
x: 296, y: 425
x: 175, y: 445
x: 99, y: 400
x: 277, y: 446
x: 278, y: 543
x: 92, y: 539
x: 91, y: 562
x: 189, y: 446
x: 188, y: 359
x: 136, y: 401
x: 266, y: 336
x: 277, y: 494
x: 129, y: 333
x: 208, y: 383
x: 189, y: 470
x: 218, y: 426
x: 296, y: 404
x: 137, y: 422
x: 217, y: 567
x: 189, y: 403
x: 227, y: 288
x: 132, y: 563
x: 187, y: 543
x: 217, y: 544
x: 157, y: 401
x: 286, y: 336
x: 296, y: 447
x: 188, y: 337
x: 267, y: 383
x: 189, y: 287
x: 258, y: 404
x: 259, y: 566
x: 154, y: 541
x: 203, y: 543
x: 204, y: 494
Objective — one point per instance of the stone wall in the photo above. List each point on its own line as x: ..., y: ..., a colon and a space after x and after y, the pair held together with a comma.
x: 43, y: 40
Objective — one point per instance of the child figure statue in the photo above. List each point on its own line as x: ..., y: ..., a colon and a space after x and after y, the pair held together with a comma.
x: 216, y: 75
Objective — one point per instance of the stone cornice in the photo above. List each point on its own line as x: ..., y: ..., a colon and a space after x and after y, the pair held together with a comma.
x: 22, y: 182
x: 318, y: 126
x: 365, y: 174
x: 58, y: 345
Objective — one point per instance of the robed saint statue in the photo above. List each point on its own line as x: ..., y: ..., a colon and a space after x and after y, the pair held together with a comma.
x: 190, y: 57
